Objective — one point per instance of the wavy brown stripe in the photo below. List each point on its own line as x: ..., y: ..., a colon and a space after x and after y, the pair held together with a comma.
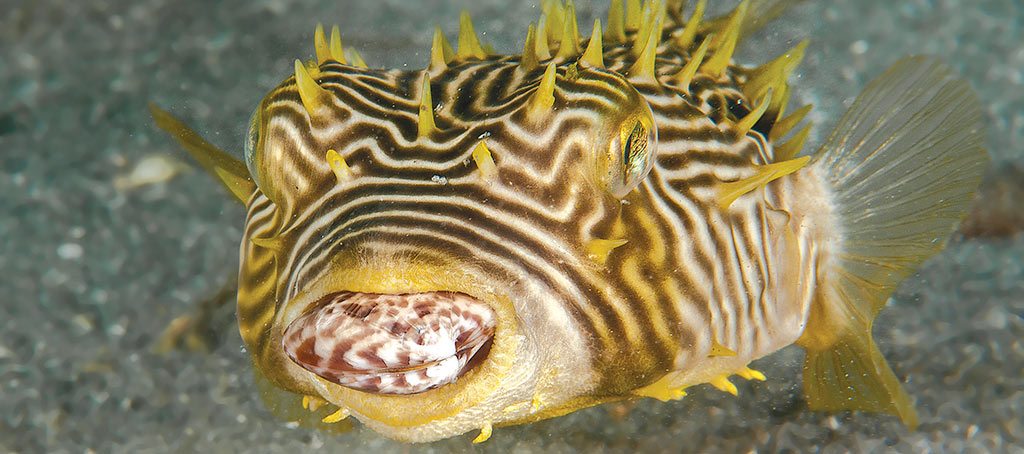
x: 703, y: 276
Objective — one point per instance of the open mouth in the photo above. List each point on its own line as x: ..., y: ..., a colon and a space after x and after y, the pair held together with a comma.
x: 391, y: 344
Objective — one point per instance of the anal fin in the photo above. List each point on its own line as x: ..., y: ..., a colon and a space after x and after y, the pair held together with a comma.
x: 853, y: 375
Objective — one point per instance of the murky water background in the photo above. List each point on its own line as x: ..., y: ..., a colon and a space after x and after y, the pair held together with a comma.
x: 93, y: 266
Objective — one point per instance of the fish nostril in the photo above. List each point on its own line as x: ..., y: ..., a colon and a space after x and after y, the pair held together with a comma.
x: 391, y: 344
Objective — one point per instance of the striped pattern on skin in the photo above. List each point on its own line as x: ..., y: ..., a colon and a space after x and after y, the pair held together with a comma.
x: 689, y: 276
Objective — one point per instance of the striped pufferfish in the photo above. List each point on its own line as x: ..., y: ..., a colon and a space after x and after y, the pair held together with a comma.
x: 500, y: 239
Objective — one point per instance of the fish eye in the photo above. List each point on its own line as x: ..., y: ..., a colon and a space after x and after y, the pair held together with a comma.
x: 252, y: 140
x: 634, y: 149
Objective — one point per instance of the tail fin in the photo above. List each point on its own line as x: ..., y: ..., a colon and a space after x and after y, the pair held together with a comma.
x: 902, y: 165
x: 231, y: 172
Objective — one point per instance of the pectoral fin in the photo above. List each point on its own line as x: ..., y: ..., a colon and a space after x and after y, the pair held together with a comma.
x: 229, y: 171
x: 312, y: 413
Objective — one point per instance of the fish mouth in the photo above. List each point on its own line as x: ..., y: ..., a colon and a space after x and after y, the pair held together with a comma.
x: 383, y: 343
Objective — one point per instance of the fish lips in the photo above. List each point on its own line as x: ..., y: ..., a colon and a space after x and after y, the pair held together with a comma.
x: 391, y: 343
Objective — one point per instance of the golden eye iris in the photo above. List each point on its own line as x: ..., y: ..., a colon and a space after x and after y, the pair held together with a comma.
x: 635, y: 152
x: 631, y: 154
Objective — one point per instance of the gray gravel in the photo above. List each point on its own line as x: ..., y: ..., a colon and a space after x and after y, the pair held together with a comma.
x: 93, y: 273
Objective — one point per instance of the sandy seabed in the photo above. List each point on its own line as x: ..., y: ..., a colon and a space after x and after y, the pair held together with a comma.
x: 92, y: 271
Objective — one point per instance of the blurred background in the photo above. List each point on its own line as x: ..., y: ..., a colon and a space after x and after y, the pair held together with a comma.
x: 108, y: 233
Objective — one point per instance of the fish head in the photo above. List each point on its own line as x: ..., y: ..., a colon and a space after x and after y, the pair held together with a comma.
x: 423, y: 245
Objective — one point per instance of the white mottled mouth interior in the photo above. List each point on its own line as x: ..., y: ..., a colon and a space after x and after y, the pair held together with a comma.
x: 391, y: 343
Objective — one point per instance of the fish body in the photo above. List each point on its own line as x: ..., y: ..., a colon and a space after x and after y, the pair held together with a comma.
x: 496, y: 240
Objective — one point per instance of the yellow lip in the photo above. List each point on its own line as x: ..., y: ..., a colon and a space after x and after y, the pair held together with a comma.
x: 399, y: 276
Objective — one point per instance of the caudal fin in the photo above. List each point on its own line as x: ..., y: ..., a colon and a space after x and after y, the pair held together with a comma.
x: 902, y: 166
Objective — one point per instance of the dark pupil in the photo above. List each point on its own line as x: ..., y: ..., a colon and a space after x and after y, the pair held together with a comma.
x: 636, y: 144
